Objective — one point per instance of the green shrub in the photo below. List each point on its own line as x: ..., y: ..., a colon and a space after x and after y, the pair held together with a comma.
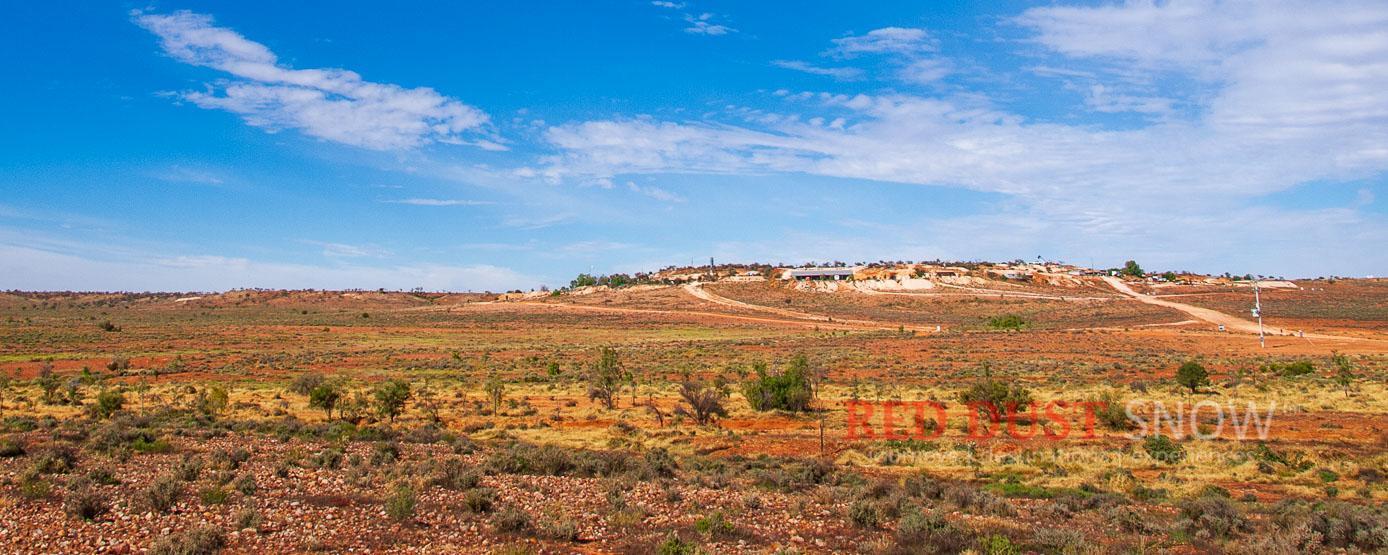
x: 303, y: 384
x: 1291, y: 369
x: 10, y: 448
x: 929, y: 532
x: 479, y: 500
x: 214, y: 495
x: 864, y: 514
x: 1192, y: 374
x: 32, y: 485
x: 996, y: 395
x: 82, y: 502
x: 455, y: 475
x: 163, y: 492
x: 673, y: 545
x: 188, y: 468
x: 1007, y: 322
x: 512, y: 519
x: 1111, y: 411
x: 400, y: 504
x: 55, y: 459
x: 204, y: 539
x: 997, y: 544
x: 1210, y: 517
x: 1164, y: 449
x: 789, y: 390
x: 247, y: 518
x: 108, y: 402
x: 102, y: 475
x: 714, y: 525
x: 145, y: 444
x: 246, y: 484
x: 557, y: 526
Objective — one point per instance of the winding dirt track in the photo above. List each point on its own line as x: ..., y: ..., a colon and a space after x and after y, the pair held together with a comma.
x: 697, y: 291
x: 1229, y: 322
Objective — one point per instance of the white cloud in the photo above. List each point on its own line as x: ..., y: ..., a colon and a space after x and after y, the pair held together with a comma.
x: 924, y: 71
x: 45, y: 270
x: 1104, y: 99
x: 702, y: 25
x: 671, y: 5
x: 439, y: 202
x: 840, y: 73
x: 343, y: 250
x: 655, y: 192
x: 1363, y: 197
x: 888, y: 40
x: 331, y: 104
x: 181, y: 174
x: 1288, y: 96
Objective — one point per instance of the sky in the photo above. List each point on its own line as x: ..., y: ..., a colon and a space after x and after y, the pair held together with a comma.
x: 199, y: 146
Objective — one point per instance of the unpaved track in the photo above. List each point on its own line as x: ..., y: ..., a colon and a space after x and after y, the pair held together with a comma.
x: 697, y: 291
x: 981, y: 292
x: 1212, y: 316
x: 689, y: 313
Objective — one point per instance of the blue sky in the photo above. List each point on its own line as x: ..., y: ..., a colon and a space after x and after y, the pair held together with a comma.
x: 491, y: 146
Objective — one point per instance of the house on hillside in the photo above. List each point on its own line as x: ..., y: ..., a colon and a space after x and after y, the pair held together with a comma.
x: 817, y: 274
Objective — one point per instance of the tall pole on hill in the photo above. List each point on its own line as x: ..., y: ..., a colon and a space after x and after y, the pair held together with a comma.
x: 1258, y: 312
x: 712, y: 275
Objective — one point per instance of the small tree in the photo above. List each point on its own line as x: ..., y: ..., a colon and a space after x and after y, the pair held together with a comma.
x: 583, y: 280
x: 390, y: 398
x: 704, y: 402
x: 995, y: 397
x: 108, y: 402
x: 789, y: 390
x: 303, y: 384
x: 428, y: 401
x: 48, y: 382
x: 325, y: 396
x: 1130, y: 268
x: 606, y: 379
x: 496, y: 390
x: 211, y: 401
x: 815, y: 374
x: 1192, y: 374
x: 353, y: 408
x: 1344, y: 371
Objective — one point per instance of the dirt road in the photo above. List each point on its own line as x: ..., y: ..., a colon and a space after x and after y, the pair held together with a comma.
x: 1230, y: 323
x: 697, y: 291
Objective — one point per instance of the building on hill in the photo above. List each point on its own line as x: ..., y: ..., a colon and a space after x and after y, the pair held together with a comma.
x: 817, y: 274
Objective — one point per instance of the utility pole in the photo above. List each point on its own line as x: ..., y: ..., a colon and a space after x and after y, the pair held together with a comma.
x: 712, y: 274
x: 1258, y: 312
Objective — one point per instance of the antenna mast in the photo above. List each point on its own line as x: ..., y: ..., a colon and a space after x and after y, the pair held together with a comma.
x: 1258, y: 312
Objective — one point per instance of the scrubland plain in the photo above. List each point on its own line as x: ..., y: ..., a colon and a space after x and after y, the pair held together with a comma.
x: 295, y: 421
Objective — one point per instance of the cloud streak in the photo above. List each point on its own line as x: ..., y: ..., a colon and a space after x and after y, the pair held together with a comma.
x: 840, y: 73
x: 331, y: 104
x: 1288, y: 97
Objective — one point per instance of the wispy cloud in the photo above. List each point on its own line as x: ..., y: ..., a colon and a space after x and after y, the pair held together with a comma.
x: 887, y: 40
x: 1289, y: 96
x: 655, y: 192
x: 41, y: 265
x: 537, y: 222
x: 1101, y: 98
x: 439, y: 202
x: 343, y: 250
x: 703, y: 24
x: 840, y: 73
x: 181, y: 174
x: 331, y: 104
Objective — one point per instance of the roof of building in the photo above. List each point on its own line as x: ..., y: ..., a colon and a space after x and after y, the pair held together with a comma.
x: 817, y: 272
